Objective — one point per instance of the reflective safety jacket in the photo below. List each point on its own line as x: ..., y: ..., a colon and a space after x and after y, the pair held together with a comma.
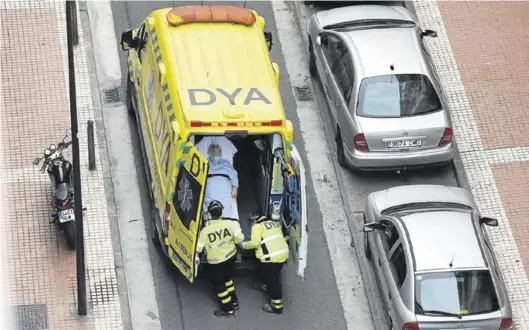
x: 218, y: 238
x: 268, y: 241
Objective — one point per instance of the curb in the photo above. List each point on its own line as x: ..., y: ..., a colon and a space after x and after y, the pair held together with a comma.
x: 459, y: 172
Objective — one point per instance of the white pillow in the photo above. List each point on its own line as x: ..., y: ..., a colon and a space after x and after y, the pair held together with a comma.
x: 228, y: 148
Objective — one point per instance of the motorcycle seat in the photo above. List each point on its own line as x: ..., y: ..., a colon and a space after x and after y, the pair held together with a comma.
x: 62, y: 192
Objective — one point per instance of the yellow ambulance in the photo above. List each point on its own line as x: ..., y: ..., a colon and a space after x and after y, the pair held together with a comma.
x: 205, y: 71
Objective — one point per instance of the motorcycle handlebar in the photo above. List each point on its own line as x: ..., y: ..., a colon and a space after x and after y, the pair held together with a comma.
x: 64, y: 144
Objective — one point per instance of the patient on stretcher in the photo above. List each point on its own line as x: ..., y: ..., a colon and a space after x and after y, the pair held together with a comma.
x: 222, y: 183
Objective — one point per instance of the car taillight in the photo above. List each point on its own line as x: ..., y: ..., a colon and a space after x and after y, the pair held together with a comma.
x: 447, y: 137
x: 410, y: 326
x: 506, y: 324
x: 360, y: 142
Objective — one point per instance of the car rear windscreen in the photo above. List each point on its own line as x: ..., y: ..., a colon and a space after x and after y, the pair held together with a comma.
x: 399, y: 95
x: 461, y: 292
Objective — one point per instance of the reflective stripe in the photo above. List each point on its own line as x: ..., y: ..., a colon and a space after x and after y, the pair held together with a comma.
x: 225, y: 257
x: 237, y: 232
x: 273, y: 254
x: 223, y: 294
x: 230, y: 282
x: 226, y: 300
x: 231, y: 289
x: 277, y: 301
x: 215, y: 246
x: 271, y: 238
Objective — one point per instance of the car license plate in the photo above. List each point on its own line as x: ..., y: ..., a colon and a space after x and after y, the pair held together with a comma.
x: 404, y: 143
x: 66, y: 215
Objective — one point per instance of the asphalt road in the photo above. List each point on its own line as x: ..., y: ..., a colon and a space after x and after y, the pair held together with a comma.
x: 311, y: 304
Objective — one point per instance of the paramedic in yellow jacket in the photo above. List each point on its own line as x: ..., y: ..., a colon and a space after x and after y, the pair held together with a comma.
x: 219, y: 238
x: 272, y: 252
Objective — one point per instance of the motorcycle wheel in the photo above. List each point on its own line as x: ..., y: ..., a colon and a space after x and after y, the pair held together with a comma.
x: 69, y: 232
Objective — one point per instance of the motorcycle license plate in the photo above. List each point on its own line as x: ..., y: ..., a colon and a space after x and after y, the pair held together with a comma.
x: 66, y: 215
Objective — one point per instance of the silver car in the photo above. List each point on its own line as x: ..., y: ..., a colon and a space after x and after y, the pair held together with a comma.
x: 434, y: 262
x: 386, y: 104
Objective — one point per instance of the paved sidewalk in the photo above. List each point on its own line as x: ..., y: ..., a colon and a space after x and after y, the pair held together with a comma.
x: 40, y: 269
x: 480, y: 54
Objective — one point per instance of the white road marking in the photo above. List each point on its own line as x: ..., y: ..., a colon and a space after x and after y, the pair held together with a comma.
x: 345, y: 264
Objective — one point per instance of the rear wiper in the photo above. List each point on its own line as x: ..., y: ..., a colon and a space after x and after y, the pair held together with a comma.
x: 440, y: 313
x: 365, y: 22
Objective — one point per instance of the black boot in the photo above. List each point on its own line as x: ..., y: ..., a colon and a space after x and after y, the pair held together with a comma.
x: 269, y: 309
x: 235, y: 301
x: 223, y: 313
x: 260, y: 287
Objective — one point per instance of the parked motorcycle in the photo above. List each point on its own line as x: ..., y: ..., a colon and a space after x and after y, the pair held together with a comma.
x: 60, y: 172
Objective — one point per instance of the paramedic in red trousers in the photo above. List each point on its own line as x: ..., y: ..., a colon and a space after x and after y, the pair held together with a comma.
x: 271, y: 247
x: 219, y: 238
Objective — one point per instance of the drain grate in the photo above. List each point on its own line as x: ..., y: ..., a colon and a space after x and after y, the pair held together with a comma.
x: 112, y: 95
x: 303, y: 93
x: 34, y: 317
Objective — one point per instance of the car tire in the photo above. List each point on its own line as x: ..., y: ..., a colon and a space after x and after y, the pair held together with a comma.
x: 130, y: 91
x: 313, y: 69
x: 367, y: 249
x: 340, y: 152
x: 69, y: 232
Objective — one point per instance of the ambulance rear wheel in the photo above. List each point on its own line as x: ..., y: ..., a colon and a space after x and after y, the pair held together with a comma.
x: 155, y: 237
x: 130, y: 91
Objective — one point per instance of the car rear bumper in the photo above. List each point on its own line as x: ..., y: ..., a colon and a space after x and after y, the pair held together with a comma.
x: 377, y: 161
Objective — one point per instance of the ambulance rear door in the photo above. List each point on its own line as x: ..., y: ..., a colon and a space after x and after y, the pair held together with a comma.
x: 186, y: 199
x: 297, y: 203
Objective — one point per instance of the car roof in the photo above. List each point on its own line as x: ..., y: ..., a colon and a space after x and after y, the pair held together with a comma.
x: 438, y: 238
x: 378, y: 49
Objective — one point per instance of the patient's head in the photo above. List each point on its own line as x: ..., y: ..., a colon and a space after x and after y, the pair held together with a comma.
x: 214, y: 153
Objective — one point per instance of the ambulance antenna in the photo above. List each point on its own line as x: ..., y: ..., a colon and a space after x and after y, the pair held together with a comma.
x: 202, y: 2
x: 245, y: 4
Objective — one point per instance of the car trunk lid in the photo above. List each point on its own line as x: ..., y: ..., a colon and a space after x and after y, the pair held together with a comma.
x: 403, y: 133
x: 489, y: 321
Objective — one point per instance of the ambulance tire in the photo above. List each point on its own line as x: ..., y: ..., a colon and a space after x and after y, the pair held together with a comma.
x: 155, y: 236
x: 130, y: 91
x: 312, y: 61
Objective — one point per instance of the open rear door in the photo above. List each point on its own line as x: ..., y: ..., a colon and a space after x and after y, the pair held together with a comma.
x: 298, y: 232
x: 186, y: 208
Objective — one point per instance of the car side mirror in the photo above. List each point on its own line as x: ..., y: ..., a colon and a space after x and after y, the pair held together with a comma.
x: 369, y: 227
x: 275, y: 66
x: 268, y: 39
x: 36, y: 161
x: 127, y: 40
x: 429, y: 33
x: 289, y: 131
x: 489, y: 221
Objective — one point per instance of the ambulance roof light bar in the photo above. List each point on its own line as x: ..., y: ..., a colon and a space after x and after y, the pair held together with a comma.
x: 210, y: 14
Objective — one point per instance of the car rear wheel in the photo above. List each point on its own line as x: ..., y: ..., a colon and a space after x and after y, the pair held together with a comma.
x: 367, y: 249
x: 340, y: 152
x: 312, y: 61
